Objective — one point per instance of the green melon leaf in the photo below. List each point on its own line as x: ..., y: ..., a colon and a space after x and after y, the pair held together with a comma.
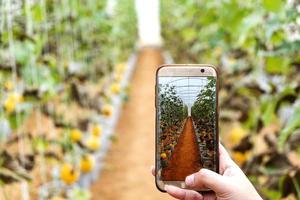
x: 277, y: 65
x: 292, y: 124
x: 273, y: 5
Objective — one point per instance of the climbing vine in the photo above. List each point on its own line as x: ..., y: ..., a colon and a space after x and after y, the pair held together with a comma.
x: 61, y: 70
x: 172, y: 112
x: 204, y: 116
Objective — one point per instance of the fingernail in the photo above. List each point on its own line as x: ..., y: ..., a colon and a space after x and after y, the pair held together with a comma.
x: 170, y: 188
x: 189, y: 180
x: 166, y: 187
x: 151, y: 168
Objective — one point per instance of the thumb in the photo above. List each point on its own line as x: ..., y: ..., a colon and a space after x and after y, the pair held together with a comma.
x: 207, y: 179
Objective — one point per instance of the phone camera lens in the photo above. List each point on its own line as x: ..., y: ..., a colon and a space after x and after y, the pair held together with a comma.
x: 202, y: 70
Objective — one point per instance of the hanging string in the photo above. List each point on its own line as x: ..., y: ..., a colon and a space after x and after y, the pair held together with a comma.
x: 43, y: 168
x: 2, y: 17
x: 21, y: 147
x: 28, y: 15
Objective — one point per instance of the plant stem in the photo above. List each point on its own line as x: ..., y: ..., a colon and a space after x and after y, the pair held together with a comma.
x: 297, y: 187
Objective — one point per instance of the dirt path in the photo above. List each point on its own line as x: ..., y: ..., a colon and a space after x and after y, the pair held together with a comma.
x: 126, y: 175
x: 186, y: 158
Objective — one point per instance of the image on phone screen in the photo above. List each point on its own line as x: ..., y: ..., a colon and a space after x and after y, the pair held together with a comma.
x: 186, y: 129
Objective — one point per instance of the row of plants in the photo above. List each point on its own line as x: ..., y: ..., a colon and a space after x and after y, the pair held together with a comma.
x: 255, y: 45
x: 61, y: 70
x: 172, y: 113
x: 203, y: 113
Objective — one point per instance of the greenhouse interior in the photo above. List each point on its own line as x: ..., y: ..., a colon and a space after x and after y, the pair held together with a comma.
x: 77, y: 101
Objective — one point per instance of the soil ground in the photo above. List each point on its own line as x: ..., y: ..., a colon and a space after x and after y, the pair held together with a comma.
x: 126, y: 175
x: 185, y: 159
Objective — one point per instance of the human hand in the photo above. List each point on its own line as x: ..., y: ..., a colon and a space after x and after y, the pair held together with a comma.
x: 230, y: 184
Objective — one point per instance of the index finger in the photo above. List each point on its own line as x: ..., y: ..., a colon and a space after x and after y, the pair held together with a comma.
x: 225, y: 160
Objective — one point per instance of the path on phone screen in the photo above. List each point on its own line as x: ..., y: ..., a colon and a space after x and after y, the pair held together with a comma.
x: 126, y: 174
x: 185, y: 159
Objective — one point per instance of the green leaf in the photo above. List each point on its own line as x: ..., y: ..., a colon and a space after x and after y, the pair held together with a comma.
x: 297, y: 187
x: 269, y: 113
x: 298, y: 150
x: 277, y: 65
x: 23, y: 51
x: 80, y: 194
x: 189, y: 34
x: 247, y: 24
x: 40, y: 77
x: 37, y: 13
x: 273, y: 5
x: 271, y: 194
x: 285, y: 49
x: 278, y: 37
x: 15, y: 120
x: 292, y: 124
x: 40, y: 144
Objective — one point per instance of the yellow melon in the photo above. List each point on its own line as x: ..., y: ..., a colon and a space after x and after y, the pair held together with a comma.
x: 69, y: 174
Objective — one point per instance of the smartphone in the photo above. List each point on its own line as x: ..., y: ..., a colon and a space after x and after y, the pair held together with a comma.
x: 187, y: 136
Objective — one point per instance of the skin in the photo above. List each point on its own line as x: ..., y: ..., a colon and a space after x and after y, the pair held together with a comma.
x: 230, y: 184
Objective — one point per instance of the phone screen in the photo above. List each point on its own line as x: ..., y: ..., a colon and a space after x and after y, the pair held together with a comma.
x: 186, y: 126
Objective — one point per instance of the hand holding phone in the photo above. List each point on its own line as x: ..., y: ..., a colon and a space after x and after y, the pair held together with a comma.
x: 231, y: 183
x: 186, y: 122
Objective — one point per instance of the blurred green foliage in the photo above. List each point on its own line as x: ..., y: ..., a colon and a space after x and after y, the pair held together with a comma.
x: 47, y: 45
x: 256, y: 47
x: 172, y: 109
x: 57, y: 57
